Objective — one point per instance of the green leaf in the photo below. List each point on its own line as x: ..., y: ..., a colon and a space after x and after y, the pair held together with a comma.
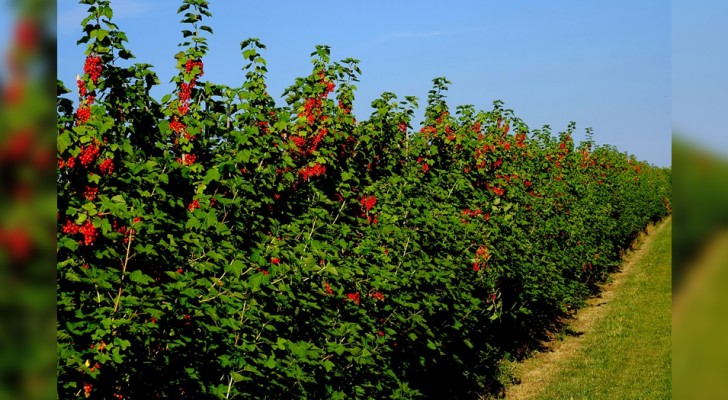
x: 102, y: 34
x: 91, y: 208
x: 235, y: 268
x: 68, y: 243
x: 236, y: 376
x: 118, y: 199
x: 212, y: 175
x: 328, y: 365
x: 193, y: 223
x: 63, y: 141
x: 139, y: 277
x: 255, y: 281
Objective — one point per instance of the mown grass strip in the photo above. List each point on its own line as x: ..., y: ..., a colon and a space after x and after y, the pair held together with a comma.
x: 625, y: 351
x: 699, y: 323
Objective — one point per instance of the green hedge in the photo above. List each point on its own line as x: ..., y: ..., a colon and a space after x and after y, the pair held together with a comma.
x: 216, y: 245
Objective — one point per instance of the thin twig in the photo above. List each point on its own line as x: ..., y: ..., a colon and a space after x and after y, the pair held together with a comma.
x: 123, y: 268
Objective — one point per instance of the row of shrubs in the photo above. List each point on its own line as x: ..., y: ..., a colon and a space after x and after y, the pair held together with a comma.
x: 214, y: 244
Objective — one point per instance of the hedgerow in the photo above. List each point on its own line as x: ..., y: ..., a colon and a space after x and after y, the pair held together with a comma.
x: 213, y: 244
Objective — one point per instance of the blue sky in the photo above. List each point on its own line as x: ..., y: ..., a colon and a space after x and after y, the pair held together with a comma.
x: 699, y: 65
x: 605, y: 65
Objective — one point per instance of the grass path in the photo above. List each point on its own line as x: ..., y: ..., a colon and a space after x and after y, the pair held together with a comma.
x: 620, y: 343
x: 700, y: 323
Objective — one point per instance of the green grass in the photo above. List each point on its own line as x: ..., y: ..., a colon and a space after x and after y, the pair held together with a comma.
x: 700, y: 324
x: 627, y: 353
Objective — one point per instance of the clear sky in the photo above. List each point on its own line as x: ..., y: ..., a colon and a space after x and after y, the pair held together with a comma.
x: 700, y: 72
x: 605, y: 65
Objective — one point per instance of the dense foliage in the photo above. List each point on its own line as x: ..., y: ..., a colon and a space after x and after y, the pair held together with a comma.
x: 700, y: 203
x: 216, y: 245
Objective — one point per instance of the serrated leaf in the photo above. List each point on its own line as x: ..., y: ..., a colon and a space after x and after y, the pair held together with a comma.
x: 255, y: 281
x: 63, y: 141
x: 236, y: 376
x: 235, y: 268
x: 140, y: 278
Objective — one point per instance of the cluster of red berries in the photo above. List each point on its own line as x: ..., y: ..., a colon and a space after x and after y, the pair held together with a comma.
x: 425, y: 166
x: 482, y: 255
x: 377, y: 295
x: 504, y: 128
x: 355, y: 297
x: 344, y: 108
x: 191, y: 64
x: 309, y: 172
x: 81, y: 87
x: 185, y: 93
x: 300, y: 143
x: 480, y: 151
x: 187, y: 159
x: 177, y: 126
x: 587, y: 160
x: 312, y: 106
x: 107, y: 166
x: 90, y: 193
x: 520, y: 139
x: 494, y: 165
x: 87, y: 388
x: 311, y: 109
x: 83, y: 113
x: 70, y: 163
x: 183, y: 107
x: 450, y: 133
x: 70, y: 228
x: 563, y: 151
x: 498, y: 191
x: 429, y: 131
x: 368, y: 202
x: 88, y: 154
x: 474, y: 213
x: 262, y: 126
x: 317, y: 139
x: 329, y: 85
x: 89, y: 232
x: 185, y: 89
x: 193, y: 205
x: 305, y: 148
x: 93, y: 68
x: 327, y: 288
